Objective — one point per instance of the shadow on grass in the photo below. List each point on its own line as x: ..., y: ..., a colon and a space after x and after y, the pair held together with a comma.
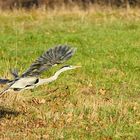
x: 6, y: 112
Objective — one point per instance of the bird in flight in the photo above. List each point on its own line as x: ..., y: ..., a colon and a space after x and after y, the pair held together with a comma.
x: 31, y: 77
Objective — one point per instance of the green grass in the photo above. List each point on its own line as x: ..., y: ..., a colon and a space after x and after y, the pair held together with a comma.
x: 98, y: 101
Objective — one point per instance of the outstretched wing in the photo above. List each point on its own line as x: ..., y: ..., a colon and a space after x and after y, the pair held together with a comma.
x: 56, y: 55
x: 4, y: 81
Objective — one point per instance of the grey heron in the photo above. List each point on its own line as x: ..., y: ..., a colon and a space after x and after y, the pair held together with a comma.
x: 31, y: 77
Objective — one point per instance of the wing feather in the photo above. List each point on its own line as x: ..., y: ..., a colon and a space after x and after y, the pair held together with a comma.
x: 56, y: 55
x: 14, y: 72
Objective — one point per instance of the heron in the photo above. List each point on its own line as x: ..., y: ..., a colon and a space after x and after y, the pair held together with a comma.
x: 31, y: 77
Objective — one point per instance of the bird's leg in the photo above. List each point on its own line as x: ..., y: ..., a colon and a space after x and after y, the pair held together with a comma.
x: 2, y: 94
x: 4, y: 91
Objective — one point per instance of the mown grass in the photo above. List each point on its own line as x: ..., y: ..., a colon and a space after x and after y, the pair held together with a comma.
x: 98, y: 101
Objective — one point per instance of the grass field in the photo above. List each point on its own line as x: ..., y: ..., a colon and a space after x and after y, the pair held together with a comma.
x: 100, y: 100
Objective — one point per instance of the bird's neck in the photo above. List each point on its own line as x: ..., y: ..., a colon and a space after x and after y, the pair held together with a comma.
x: 52, y: 78
x: 59, y: 72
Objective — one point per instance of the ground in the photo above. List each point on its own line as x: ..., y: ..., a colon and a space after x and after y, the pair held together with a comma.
x: 100, y: 100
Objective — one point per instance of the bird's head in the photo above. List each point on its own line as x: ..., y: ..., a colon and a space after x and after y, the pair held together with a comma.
x: 65, y: 68
x: 69, y: 67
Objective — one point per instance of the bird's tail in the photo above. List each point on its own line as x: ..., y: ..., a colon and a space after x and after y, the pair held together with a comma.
x: 4, y: 81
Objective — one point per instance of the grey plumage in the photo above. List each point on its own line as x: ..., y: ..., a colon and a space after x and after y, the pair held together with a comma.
x: 56, y: 55
x: 30, y: 78
x: 15, y: 75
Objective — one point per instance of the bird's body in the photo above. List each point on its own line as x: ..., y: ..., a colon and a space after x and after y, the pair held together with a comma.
x: 30, y: 78
x: 24, y: 82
